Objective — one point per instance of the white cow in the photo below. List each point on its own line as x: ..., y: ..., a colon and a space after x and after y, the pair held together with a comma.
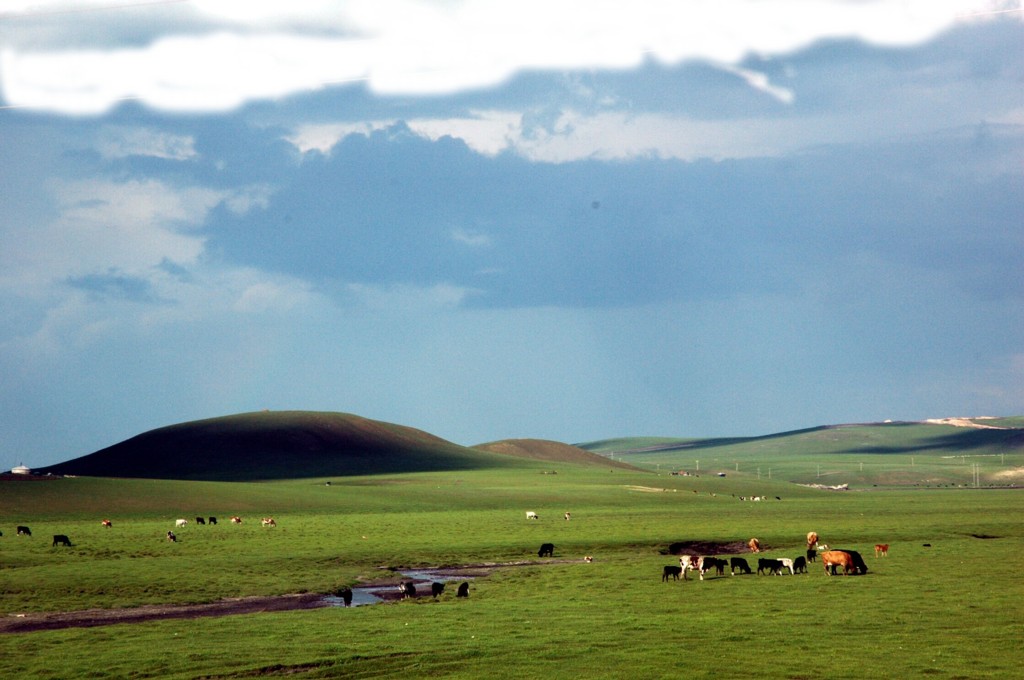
x: 786, y: 564
x: 530, y: 514
x: 688, y: 562
x: 180, y: 522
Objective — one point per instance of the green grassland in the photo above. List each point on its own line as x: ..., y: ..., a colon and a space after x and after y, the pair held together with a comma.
x: 946, y: 611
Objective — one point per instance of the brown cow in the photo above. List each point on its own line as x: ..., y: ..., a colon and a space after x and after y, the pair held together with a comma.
x: 754, y: 545
x: 881, y: 550
x: 812, y: 540
x: 107, y: 523
x: 268, y: 522
x: 236, y: 520
x: 837, y: 558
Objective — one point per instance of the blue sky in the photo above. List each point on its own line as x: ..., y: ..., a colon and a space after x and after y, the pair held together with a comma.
x: 568, y: 221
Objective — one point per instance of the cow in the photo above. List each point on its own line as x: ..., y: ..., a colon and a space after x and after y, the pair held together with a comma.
x: 800, y: 565
x: 831, y: 559
x: 530, y: 514
x: 463, y: 590
x: 769, y: 566
x: 739, y: 563
x: 787, y: 564
x: 345, y: 593
x: 236, y: 520
x: 24, y: 531
x: 812, y: 540
x: 200, y: 520
x: 268, y: 522
x: 212, y: 520
x: 709, y: 563
x: 688, y: 562
x: 61, y: 539
x: 407, y: 588
x: 107, y: 523
x: 546, y: 549
x: 812, y: 555
x: 754, y: 545
x: 671, y: 570
x: 568, y: 516
x: 881, y: 550
x: 171, y: 537
x: 436, y: 588
x: 178, y: 523
x: 860, y: 567
x: 588, y: 558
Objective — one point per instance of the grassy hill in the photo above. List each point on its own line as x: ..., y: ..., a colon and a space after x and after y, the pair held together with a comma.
x: 278, y: 445
x: 982, y: 452
x: 546, y: 450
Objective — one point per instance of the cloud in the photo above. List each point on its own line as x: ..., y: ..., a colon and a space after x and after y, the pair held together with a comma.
x: 234, y: 53
x: 124, y: 142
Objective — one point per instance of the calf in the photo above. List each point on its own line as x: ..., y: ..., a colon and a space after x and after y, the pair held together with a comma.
x: 212, y: 520
x: 800, y: 565
x: 408, y: 589
x: 24, y: 531
x: 200, y: 520
x: 531, y: 515
x: 61, y: 539
x: 236, y: 520
x: 436, y: 588
x: 881, y: 549
x: 463, y: 590
x: 812, y: 555
x: 787, y: 564
x: 739, y: 563
x: 671, y: 570
x: 546, y: 550
x: 709, y: 563
x: 345, y: 593
x: 268, y: 522
x: 107, y: 523
x: 769, y: 566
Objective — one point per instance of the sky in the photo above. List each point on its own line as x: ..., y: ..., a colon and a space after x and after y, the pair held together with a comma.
x: 487, y: 220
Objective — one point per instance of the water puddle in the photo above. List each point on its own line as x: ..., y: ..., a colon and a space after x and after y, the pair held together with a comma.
x: 375, y: 594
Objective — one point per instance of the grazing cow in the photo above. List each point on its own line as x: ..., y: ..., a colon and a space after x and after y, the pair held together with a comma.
x: 268, y: 522
x: 107, y: 523
x: 178, y: 523
x: 345, y: 593
x: 881, y: 550
x: 546, y: 549
x: 671, y: 570
x: 831, y: 559
x: 926, y: 545
x: 236, y: 520
x: 61, y: 539
x: 688, y: 563
x: 812, y: 540
x: 171, y: 537
x: 800, y: 565
x: 408, y: 589
x: 739, y: 563
x: 567, y: 516
x: 787, y: 564
x: 436, y: 588
x: 212, y: 520
x: 709, y: 563
x: 24, y: 531
x: 812, y: 555
x: 588, y: 559
x: 530, y: 514
x: 754, y: 545
x: 860, y: 567
x: 200, y: 520
x: 769, y: 566
x: 463, y: 590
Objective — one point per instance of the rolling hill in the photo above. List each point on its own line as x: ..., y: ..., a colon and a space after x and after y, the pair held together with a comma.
x: 543, y: 449
x: 279, y: 445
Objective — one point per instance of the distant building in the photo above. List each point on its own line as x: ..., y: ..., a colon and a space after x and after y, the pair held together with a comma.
x: 21, y: 470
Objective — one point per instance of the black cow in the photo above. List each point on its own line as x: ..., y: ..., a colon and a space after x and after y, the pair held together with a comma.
x: 671, y: 570
x: 771, y: 566
x: 345, y: 593
x: 61, y: 539
x: 24, y: 531
x: 739, y: 563
x: 715, y: 563
x: 546, y: 549
x: 200, y: 520
x: 812, y: 555
x: 463, y: 590
x: 860, y: 567
x: 436, y: 588
x: 799, y: 565
x: 408, y: 589
x: 212, y: 520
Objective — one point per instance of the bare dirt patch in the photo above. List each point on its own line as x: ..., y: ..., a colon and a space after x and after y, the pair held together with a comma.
x: 708, y: 548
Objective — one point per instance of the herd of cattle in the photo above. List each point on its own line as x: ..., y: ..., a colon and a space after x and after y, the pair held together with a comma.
x: 850, y: 560
x: 62, y: 539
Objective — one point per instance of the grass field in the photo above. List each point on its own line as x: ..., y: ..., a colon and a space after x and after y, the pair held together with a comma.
x: 945, y: 611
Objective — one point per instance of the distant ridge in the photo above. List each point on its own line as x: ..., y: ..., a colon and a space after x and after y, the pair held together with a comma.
x: 543, y: 449
x: 278, y: 445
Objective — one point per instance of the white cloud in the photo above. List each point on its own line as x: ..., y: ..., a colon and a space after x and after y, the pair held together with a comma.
x: 122, y: 142
x: 265, y: 50
x: 474, y: 239
x: 409, y: 298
